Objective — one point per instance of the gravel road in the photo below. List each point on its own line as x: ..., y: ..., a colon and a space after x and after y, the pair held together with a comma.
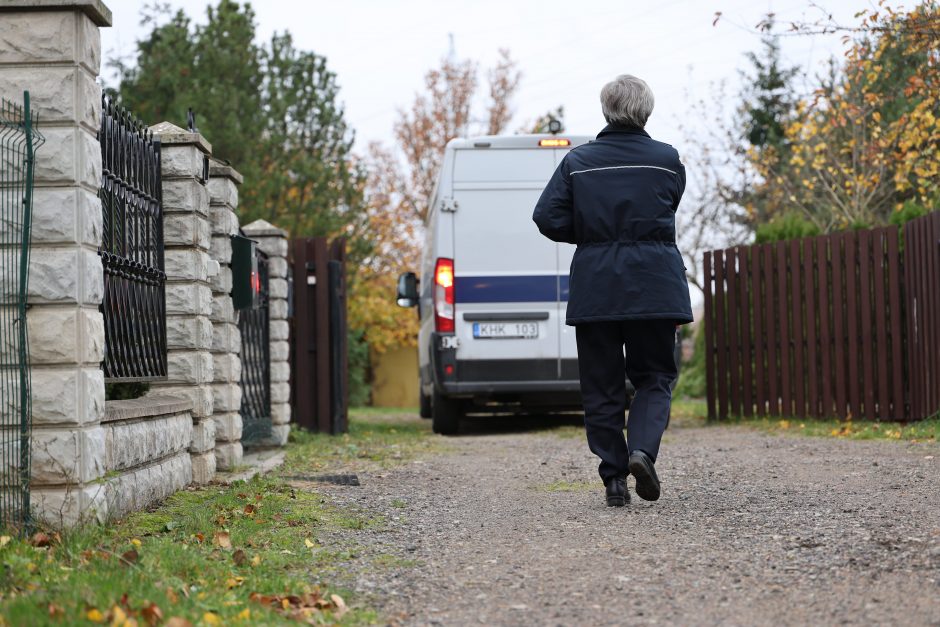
x: 751, y: 529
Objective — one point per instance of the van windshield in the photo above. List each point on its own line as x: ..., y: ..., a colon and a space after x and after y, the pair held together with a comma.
x: 497, y: 165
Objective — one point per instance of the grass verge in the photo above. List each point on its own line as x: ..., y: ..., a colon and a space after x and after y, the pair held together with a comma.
x: 240, y: 554
x: 247, y: 554
x: 922, y: 431
x: 377, y: 438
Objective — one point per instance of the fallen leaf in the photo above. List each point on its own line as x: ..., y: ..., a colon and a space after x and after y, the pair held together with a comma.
x: 249, y: 509
x: 171, y: 595
x: 4, y: 540
x: 136, y: 542
x: 211, y: 619
x: 129, y: 557
x: 176, y: 621
x: 308, y: 543
x: 118, y: 616
x: 199, y: 537
x: 152, y: 614
x: 239, y: 557
x: 94, y: 615
x: 40, y: 539
x: 223, y: 539
x: 245, y: 614
x: 256, y: 560
x: 340, y: 605
x: 55, y: 611
x: 258, y: 497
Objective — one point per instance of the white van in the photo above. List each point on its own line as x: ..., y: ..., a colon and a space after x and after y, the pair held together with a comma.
x: 493, y: 290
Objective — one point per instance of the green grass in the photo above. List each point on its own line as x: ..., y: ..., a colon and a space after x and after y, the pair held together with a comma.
x: 923, y: 431
x: 184, y: 566
x: 695, y: 411
x: 567, y: 486
x: 377, y: 438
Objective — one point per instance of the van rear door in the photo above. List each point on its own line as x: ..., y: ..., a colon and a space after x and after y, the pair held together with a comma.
x: 506, y: 273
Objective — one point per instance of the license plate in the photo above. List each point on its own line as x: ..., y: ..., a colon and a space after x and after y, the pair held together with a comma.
x: 505, y: 330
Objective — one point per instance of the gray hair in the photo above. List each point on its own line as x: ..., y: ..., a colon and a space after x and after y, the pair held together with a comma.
x: 627, y: 100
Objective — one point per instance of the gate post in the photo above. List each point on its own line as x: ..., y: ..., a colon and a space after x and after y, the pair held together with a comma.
x: 187, y: 236
x: 53, y: 49
x: 273, y: 241
x: 226, y: 340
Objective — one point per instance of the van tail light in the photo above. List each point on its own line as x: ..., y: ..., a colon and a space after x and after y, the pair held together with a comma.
x: 444, y: 296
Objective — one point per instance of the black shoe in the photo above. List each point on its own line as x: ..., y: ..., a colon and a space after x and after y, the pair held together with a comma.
x: 617, y: 495
x: 647, y: 483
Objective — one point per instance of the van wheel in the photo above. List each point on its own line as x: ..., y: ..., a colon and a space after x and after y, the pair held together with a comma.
x: 445, y: 414
x: 425, y: 405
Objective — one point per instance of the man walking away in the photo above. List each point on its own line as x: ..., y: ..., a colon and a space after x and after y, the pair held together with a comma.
x: 616, y: 198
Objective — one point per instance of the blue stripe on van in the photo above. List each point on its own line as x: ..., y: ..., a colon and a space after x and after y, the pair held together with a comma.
x: 510, y: 289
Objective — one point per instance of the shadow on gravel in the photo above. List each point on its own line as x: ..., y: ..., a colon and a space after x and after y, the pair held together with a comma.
x: 489, y: 424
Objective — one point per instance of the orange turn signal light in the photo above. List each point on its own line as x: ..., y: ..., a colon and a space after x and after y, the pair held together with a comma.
x: 554, y: 143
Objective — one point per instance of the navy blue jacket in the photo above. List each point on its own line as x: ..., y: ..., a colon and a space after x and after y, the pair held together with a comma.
x: 616, y: 198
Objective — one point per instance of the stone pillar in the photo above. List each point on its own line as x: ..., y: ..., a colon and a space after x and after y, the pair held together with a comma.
x: 226, y: 339
x: 273, y: 241
x: 186, y: 237
x: 53, y: 49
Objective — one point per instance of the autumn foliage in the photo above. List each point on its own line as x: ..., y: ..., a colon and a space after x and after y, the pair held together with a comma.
x: 868, y: 140
x: 401, y: 180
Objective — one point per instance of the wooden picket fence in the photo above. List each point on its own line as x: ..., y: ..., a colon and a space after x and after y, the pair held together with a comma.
x: 836, y: 325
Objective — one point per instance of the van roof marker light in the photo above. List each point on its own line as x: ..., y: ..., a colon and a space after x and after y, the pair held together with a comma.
x: 554, y: 143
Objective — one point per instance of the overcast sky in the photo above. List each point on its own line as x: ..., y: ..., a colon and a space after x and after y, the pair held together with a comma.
x: 380, y: 50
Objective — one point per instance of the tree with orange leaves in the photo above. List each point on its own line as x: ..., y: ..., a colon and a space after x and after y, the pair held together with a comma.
x: 400, y: 182
x: 868, y: 141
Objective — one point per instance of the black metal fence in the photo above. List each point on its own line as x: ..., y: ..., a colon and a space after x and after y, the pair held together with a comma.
x: 256, y: 360
x: 134, y: 305
x: 18, y: 140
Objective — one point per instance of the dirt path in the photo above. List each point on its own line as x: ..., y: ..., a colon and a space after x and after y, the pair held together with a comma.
x: 752, y: 529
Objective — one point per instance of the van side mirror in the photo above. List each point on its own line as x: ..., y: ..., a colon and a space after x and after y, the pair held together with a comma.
x: 407, y: 290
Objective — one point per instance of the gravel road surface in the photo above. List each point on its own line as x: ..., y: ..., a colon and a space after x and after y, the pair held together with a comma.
x: 510, y: 528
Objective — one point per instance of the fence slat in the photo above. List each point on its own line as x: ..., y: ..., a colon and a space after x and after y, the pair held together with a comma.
x: 898, y: 403
x: 721, y: 339
x: 709, y: 335
x: 812, y: 349
x: 882, y: 354
x: 865, y: 344
x: 757, y: 300
x: 796, y: 309
x: 838, y: 317
x: 734, y: 315
x: 933, y: 312
x: 784, y: 336
x: 825, y: 323
x: 747, y: 347
x: 851, y: 310
x: 771, y: 331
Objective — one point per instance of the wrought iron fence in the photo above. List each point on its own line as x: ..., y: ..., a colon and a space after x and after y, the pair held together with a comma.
x: 18, y: 141
x: 131, y: 195
x: 256, y: 360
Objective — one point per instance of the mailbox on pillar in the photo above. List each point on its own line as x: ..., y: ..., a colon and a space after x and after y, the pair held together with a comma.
x: 246, y: 281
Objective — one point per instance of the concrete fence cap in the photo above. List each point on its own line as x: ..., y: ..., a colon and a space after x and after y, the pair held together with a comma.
x: 94, y: 9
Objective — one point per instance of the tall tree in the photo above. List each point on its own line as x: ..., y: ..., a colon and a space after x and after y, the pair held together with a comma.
x: 272, y: 111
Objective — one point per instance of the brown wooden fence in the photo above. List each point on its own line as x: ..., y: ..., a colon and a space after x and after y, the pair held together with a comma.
x: 835, y: 325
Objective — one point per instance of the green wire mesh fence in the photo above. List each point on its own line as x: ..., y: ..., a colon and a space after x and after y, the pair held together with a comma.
x: 18, y: 142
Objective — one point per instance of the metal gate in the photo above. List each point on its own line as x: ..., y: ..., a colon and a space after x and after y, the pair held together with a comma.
x: 256, y: 361
x: 319, y: 363
x: 134, y: 305
x: 18, y: 141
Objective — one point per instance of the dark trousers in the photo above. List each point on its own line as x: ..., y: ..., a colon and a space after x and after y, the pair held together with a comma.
x: 650, y: 365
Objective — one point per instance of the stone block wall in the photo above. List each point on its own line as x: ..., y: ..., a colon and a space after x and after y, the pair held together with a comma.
x: 53, y: 49
x: 189, y: 269
x: 147, y: 456
x: 273, y: 241
x: 226, y: 339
